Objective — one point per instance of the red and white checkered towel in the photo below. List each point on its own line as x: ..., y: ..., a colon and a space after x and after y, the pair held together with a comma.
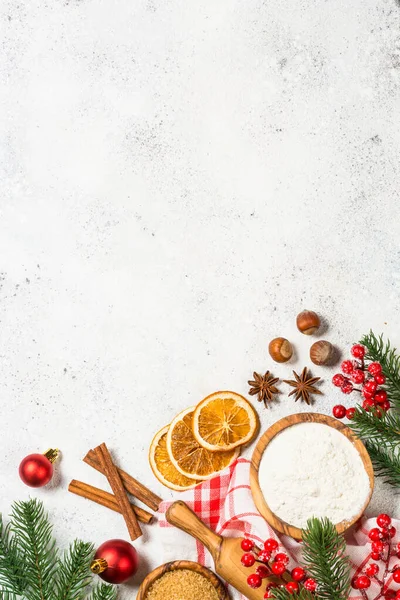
x: 225, y: 504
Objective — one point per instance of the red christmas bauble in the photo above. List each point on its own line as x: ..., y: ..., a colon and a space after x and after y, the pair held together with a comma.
x: 36, y: 470
x: 115, y: 561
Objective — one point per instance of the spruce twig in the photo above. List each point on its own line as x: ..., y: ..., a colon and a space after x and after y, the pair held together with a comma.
x: 104, y: 592
x: 30, y: 565
x: 386, y: 461
x: 385, y: 429
x: 74, y: 571
x: 325, y: 559
x: 386, y: 355
x: 33, y: 532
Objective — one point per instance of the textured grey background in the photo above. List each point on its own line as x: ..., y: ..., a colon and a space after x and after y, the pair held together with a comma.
x: 178, y: 180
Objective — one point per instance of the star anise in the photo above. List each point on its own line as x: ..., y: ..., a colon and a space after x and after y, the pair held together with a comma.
x: 303, y: 386
x: 264, y: 387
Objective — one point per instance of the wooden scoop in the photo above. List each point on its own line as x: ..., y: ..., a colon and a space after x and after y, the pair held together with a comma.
x: 226, y: 552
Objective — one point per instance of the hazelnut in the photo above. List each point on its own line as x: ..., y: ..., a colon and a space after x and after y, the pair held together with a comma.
x: 322, y: 352
x: 280, y: 349
x: 308, y: 322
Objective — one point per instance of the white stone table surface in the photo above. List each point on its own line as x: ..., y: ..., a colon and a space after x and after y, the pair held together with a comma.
x: 178, y: 180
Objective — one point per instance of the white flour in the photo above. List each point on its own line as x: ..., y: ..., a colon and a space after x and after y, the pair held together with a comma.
x: 311, y: 469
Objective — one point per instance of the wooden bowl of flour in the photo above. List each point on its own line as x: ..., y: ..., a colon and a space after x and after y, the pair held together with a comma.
x: 273, y: 519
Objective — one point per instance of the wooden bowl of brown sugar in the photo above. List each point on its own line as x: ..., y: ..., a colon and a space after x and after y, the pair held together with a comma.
x: 182, y: 579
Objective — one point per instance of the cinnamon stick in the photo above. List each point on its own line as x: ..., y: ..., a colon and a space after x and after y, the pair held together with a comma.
x: 132, y: 485
x: 120, y: 494
x: 105, y: 499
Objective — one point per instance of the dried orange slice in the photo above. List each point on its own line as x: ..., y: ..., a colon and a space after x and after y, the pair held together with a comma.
x: 188, y: 456
x: 223, y: 421
x: 162, y: 467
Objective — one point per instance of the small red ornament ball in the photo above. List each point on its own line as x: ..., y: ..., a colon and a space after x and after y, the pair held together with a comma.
x: 115, y: 561
x: 36, y: 470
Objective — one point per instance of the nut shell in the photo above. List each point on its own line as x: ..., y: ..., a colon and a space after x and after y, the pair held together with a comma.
x: 308, y: 322
x: 322, y: 352
x: 280, y: 349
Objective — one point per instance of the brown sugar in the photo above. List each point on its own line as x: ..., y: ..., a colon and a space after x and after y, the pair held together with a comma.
x: 182, y: 584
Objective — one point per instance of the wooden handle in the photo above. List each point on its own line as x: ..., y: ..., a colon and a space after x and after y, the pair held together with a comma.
x: 180, y: 515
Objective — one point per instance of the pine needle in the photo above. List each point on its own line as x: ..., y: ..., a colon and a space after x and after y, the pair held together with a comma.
x: 385, y: 430
x: 325, y: 559
x: 386, y: 355
x: 74, y: 571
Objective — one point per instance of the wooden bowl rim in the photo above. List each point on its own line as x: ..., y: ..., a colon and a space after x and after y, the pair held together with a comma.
x: 266, y: 438
x: 185, y: 565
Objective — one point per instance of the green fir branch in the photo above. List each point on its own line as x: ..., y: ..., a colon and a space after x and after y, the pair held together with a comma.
x: 325, y: 559
x: 12, y: 580
x: 386, y: 355
x: 74, y: 571
x: 384, y: 429
x: 283, y: 594
x: 386, y: 461
x: 103, y: 592
x: 33, y: 534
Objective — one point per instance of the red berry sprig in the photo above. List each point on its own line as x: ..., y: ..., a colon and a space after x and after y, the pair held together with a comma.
x: 369, y: 377
x: 382, y: 551
x: 271, y: 562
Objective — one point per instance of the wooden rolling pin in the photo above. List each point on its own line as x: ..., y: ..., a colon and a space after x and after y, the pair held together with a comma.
x: 226, y: 552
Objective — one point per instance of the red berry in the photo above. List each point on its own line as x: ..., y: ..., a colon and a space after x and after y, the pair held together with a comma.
x: 247, y: 545
x: 254, y: 581
x: 339, y: 411
x: 278, y: 568
x: 370, y: 386
x: 377, y: 547
x: 380, y: 378
x: 248, y: 560
x: 263, y: 572
x: 358, y: 376
x: 372, y: 570
x: 389, y: 595
x: 380, y: 396
x: 281, y: 557
x: 269, y: 593
x: 397, y: 595
x: 347, y: 367
x: 396, y: 576
x: 347, y: 387
x: 292, y: 587
x: 374, y: 368
x: 350, y: 412
x: 368, y: 404
x: 338, y: 380
x: 298, y: 574
x: 383, y: 520
x: 385, y: 405
x: 310, y: 584
x: 271, y: 545
x: 358, y: 351
x: 375, y: 534
x: 264, y: 556
x: 376, y: 555
x: 392, y: 532
x: 362, y: 582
